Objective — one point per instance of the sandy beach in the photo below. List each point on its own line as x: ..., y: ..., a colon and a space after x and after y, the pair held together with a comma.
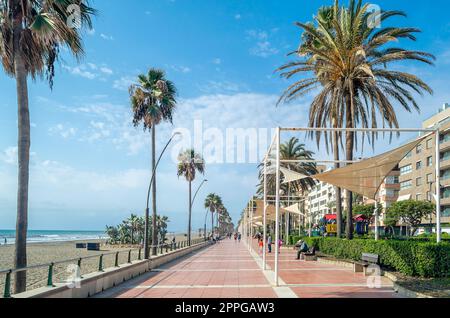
x: 42, y: 253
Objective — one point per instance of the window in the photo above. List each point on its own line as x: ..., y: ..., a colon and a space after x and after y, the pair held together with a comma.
x: 391, y: 180
x: 406, y: 185
x: 428, y: 196
x: 446, y: 212
x: 405, y: 170
x: 429, y: 143
x: 429, y: 161
x: 418, y: 149
x: 446, y: 175
x: 418, y: 197
x: 418, y: 165
x: 429, y: 178
x: 446, y: 193
x: 418, y: 182
x: 445, y: 156
x: 444, y: 138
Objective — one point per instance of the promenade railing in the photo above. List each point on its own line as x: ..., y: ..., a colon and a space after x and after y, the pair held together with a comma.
x: 77, y: 267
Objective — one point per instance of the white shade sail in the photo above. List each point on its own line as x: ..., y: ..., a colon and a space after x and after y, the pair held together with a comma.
x: 366, y: 176
x: 291, y: 176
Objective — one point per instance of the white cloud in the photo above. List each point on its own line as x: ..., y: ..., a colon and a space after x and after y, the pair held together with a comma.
x: 89, y: 70
x: 180, y: 68
x: 80, y: 71
x: 106, y: 37
x: 9, y: 155
x: 90, y: 31
x: 237, y: 16
x: 263, y: 47
x: 217, y: 61
x: 124, y: 83
x: 62, y: 131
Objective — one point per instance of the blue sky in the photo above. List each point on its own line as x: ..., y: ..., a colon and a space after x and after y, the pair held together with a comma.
x: 90, y: 166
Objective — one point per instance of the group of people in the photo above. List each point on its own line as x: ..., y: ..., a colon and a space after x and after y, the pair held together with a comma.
x: 237, y: 237
x: 269, y: 243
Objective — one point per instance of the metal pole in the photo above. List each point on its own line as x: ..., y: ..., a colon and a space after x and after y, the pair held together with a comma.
x: 264, y: 217
x: 376, y: 221
x: 277, y: 205
x: 430, y: 130
x: 438, y: 189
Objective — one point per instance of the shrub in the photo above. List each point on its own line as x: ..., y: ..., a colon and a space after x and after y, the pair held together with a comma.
x: 411, y: 257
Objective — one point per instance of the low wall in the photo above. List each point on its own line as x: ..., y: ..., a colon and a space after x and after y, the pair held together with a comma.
x: 98, y: 282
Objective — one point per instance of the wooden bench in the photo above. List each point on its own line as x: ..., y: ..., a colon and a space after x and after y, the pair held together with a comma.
x: 366, y: 260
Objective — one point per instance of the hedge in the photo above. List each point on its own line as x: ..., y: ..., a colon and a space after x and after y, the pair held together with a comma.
x: 412, y: 258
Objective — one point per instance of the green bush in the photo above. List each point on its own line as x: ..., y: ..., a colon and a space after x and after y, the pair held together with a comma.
x: 410, y: 257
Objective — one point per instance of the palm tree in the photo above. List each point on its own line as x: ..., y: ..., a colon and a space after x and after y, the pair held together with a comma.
x: 32, y: 34
x: 153, y: 101
x: 189, y: 162
x: 291, y: 150
x: 349, y: 62
x: 213, y: 203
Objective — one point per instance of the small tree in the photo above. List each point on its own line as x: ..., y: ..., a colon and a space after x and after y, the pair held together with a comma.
x: 410, y: 211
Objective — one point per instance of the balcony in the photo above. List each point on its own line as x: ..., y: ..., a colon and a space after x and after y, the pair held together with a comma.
x: 445, y: 201
x: 445, y: 163
x: 444, y: 145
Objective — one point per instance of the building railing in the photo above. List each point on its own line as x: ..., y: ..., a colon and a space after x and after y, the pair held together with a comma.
x: 161, y: 249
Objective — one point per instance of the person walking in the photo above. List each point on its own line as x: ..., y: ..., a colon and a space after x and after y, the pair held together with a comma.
x: 280, y: 242
x: 239, y: 237
x: 269, y: 244
x: 261, y: 246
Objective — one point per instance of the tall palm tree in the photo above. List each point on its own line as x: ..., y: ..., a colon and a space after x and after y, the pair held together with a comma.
x: 213, y: 203
x: 189, y: 162
x: 32, y: 34
x: 153, y: 101
x: 350, y: 63
x: 290, y: 150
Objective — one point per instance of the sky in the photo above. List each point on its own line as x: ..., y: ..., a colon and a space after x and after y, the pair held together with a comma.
x: 90, y: 167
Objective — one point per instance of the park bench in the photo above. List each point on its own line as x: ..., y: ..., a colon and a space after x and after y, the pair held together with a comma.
x: 367, y: 259
x: 310, y: 255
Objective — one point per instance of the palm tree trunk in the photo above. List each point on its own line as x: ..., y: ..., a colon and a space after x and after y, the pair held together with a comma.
x: 337, y: 189
x: 190, y: 212
x: 212, y: 222
x: 154, y: 228
x: 349, y: 144
x: 24, y: 142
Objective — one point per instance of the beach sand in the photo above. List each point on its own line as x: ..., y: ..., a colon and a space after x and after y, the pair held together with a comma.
x: 42, y: 253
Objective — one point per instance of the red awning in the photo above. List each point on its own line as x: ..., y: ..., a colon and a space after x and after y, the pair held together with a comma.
x: 360, y: 218
x: 329, y: 217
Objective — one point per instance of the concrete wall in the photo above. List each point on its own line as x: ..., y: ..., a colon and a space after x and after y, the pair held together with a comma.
x: 95, y: 283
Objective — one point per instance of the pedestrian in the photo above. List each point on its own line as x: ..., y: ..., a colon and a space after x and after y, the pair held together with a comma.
x: 239, y: 237
x: 280, y: 242
x: 269, y: 244
x: 261, y: 246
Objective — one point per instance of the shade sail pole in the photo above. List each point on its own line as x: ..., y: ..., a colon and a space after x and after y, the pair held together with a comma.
x: 277, y: 205
x: 438, y: 189
x: 264, y: 216
x: 376, y: 221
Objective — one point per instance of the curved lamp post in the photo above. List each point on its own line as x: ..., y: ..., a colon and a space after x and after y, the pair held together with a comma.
x: 195, y: 195
x: 147, y: 212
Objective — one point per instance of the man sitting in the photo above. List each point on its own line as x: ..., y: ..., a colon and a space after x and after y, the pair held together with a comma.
x: 302, y: 247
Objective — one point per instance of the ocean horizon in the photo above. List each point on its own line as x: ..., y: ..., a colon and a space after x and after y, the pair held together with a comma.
x: 45, y: 236
x: 42, y: 236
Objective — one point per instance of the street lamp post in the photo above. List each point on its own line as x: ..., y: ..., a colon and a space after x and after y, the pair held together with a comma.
x: 193, y: 199
x: 147, y: 210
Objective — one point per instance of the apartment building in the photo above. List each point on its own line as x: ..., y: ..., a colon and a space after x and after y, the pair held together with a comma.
x: 417, y: 179
x: 321, y: 199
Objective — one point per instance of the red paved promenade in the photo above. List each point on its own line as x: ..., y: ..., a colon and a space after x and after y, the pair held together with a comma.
x: 229, y: 270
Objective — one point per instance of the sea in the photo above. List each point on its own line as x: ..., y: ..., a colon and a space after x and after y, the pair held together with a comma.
x: 41, y: 236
